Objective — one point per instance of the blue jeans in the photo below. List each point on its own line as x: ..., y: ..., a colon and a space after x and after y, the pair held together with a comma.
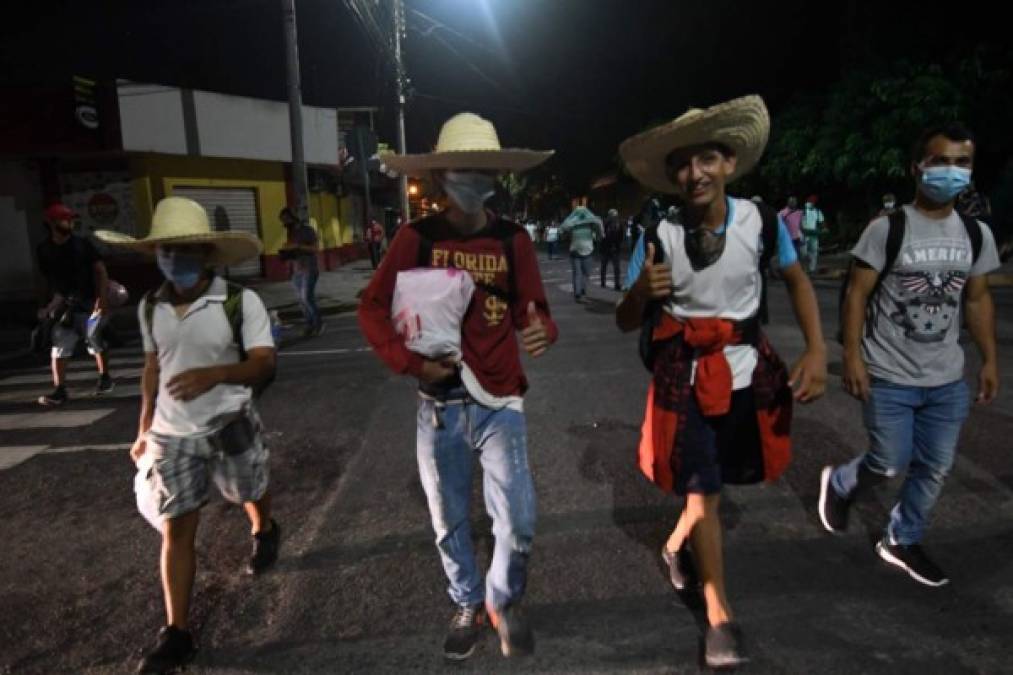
x: 581, y: 267
x: 811, y: 247
x: 449, y: 437
x: 914, y: 429
x: 552, y: 249
x: 306, y: 291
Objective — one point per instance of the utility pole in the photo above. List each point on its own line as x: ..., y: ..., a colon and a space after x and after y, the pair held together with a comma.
x: 295, y: 109
x: 399, y: 29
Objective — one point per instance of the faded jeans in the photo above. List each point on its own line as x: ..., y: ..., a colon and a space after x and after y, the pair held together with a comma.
x: 581, y: 267
x: 450, y: 437
x: 913, y: 429
x: 306, y: 291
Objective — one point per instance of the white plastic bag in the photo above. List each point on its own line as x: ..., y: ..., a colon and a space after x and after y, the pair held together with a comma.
x: 144, y: 490
x: 428, y: 307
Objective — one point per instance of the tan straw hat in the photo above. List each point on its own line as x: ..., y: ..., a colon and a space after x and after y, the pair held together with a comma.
x: 179, y: 220
x: 742, y: 124
x: 467, y: 142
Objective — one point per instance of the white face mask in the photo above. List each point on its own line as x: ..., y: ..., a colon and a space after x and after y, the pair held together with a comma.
x: 469, y: 190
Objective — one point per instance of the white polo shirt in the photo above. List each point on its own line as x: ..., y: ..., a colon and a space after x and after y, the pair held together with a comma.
x: 202, y: 337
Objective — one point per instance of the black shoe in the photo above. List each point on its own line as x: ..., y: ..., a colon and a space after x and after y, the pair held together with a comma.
x: 832, y: 507
x: 681, y: 570
x: 105, y: 385
x: 912, y: 559
x: 57, y: 398
x: 465, y: 629
x: 723, y: 646
x: 515, y: 636
x: 173, y: 651
x: 265, y: 549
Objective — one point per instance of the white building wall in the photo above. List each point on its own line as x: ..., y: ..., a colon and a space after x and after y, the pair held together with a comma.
x: 151, y: 118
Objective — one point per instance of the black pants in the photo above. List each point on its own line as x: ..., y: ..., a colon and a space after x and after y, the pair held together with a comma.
x: 612, y: 257
x: 374, y: 254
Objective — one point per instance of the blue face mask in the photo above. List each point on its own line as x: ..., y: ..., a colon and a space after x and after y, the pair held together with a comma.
x: 182, y: 269
x: 469, y: 190
x: 942, y: 184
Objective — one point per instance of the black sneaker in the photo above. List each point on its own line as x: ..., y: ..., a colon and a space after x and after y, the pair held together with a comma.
x: 681, y: 569
x: 173, y: 651
x: 723, y: 646
x: 912, y: 559
x: 465, y: 629
x: 105, y: 385
x: 57, y: 398
x: 515, y: 636
x: 265, y: 549
x: 832, y: 507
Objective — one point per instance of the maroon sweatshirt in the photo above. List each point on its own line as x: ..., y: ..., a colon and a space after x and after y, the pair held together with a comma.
x: 489, y: 345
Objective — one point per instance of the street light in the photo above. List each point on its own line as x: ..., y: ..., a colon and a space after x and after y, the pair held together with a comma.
x: 413, y: 189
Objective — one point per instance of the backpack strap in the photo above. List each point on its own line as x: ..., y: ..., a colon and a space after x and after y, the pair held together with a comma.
x: 894, y: 238
x: 769, y: 235
x: 233, y: 307
x: 149, y: 316
x: 973, y: 228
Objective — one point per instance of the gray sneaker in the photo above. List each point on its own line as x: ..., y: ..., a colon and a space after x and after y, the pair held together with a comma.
x: 723, y: 646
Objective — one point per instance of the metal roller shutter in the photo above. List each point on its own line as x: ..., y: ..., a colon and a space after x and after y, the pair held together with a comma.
x: 229, y: 209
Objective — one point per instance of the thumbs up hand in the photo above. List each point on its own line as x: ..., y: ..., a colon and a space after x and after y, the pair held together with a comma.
x: 535, y: 337
x: 655, y: 280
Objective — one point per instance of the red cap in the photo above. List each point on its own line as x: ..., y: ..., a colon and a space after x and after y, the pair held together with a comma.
x: 812, y: 199
x: 59, y: 211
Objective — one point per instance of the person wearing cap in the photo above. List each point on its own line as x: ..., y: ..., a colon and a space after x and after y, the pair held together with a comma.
x: 812, y: 223
x: 472, y: 409
x: 207, y: 345
x: 76, y: 291
x: 611, y: 246
x: 584, y: 229
x: 720, y: 400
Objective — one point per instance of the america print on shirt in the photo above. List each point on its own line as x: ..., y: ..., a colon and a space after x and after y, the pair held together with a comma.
x: 930, y: 280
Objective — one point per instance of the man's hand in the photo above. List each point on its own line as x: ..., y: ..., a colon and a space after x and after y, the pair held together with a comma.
x: 535, y: 337
x: 988, y: 383
x: 100, y: 306
x: 434, y: 372
x: 138, y: 448
x: 809, y: 376
x: 655, y: 280
x: 856, y: 377
x: 190, y: 384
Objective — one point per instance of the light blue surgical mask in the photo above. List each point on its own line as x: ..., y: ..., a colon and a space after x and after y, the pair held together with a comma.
x: 942, y: 184
x: 469, y: 190
x: 182, y: 269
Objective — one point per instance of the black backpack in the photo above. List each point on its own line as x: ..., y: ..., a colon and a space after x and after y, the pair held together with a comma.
x: 894, y: 239
x: 501, y: 230
x: 233, y: 308
x: 652, y: 312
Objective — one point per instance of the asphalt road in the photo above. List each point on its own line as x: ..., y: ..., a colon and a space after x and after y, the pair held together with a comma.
x: 359, y: 587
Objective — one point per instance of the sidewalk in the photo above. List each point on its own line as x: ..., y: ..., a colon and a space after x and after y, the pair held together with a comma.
x: 337, y: 291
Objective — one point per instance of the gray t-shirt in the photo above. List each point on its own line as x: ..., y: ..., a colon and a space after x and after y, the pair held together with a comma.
x: 917, y: 311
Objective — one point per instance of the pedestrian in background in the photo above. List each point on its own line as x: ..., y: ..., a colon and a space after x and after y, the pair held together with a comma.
x: 300, y: 250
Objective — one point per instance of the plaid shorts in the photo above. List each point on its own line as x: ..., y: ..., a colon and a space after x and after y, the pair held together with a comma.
x: 179, y: 474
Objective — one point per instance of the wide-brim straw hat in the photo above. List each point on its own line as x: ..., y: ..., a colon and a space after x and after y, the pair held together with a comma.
x: 467, y: 141
x: 742, y: 124
x: 178, y: 220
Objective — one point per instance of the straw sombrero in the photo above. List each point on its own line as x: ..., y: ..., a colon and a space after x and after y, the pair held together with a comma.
x: 467, y: 142
x: 179, y: 220
x: 742, y: 124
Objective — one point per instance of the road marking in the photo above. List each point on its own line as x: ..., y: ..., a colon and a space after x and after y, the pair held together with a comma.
x: 318, y: 352
x: 16, y: 454
x: 52, y: 419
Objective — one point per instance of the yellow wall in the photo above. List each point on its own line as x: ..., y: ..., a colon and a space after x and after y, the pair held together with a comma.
x: 323, y: 212
x: 164, y: 173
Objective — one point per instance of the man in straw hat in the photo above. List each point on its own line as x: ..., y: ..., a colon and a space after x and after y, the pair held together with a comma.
x: 476, y: 405
x: 207, y: 343
x: 719, y: 405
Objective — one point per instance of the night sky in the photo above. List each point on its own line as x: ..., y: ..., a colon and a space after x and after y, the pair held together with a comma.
x: 574, y: 75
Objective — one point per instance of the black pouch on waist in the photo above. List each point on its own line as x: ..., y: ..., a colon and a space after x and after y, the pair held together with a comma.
x: 237, y: 436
